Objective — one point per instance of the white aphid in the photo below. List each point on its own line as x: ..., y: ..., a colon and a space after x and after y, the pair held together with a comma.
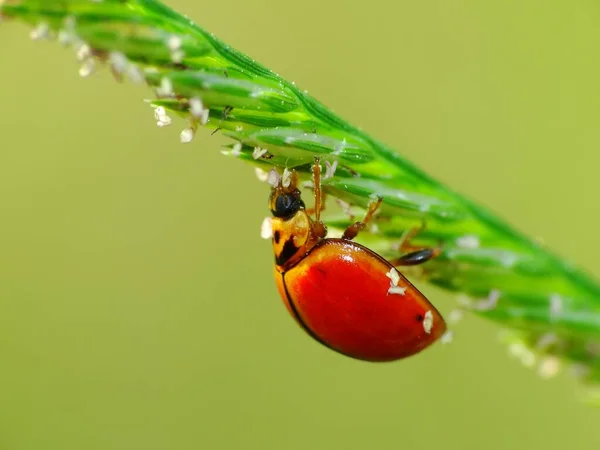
x: 258, y: 152
x: 455, y: 316
x: 330, y: 169
x: 428, y: 322
x: 546, y: 340
x: 204, y: 117
x: 41, y: 31
x: 339, y: 147
x: 196, y: 107
x: 87, y: 68
x: 64, y: 37
x: 398, y: 290
x: 118, y: 62
x: 447, y: 337
x: 464, y: 300
x: 266, y: 229
x: 286, y: 179
x: 273, y: 178
x: 261, y: 174
x: 174, y: 42
x: 237, y: 149
x: 548, y: 367
x: 469, y: 241
x: 162, y: 119
x: 394, y: 276
x: 83, y: 52
x: 177, y: 56
x: 489, y: 303
x: 166, y: 87
x: 134, y: 73
x: 556, y: 306
x: 159, y: 111
x: 187, y: 135
x: 523, y: 353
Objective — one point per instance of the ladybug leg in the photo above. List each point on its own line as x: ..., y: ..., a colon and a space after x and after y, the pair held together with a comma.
x: 352, y: 231
x: 319, y: 200
x: 414, y: 255
x: 312, y: 211
x: 318, y: 228
x: 417, y: 257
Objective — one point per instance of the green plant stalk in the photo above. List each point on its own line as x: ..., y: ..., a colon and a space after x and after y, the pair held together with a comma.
x: 553, y: 307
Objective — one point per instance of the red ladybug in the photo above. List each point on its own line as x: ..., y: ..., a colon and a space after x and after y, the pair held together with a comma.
x: 344, y: 295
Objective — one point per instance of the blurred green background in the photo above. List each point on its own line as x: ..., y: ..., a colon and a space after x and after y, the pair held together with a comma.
x: 137, y: 305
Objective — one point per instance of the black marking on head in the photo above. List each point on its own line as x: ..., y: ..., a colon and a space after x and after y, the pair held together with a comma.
x: 420, y: 318
x: 289, y: 249
x: 286, y: 205
x: 276, y: 237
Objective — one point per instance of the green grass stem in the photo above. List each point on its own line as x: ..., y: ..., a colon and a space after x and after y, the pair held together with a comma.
x: 552, y: 306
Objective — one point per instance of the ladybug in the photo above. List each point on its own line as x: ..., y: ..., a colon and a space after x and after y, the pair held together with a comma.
x: 344, y: 295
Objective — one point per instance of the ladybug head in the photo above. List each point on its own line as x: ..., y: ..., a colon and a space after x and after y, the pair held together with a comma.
x: 285, y: 200
x: 286, y: 205
x: 291, y: 225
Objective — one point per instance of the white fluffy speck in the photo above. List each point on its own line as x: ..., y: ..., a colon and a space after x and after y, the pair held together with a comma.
x: 134, y: 73
x: 87, y: 68
x: 556, y: 306
x: 64, y: 37
x: 166, y: 87
x: 266, y: 229
x: 523, y: 353
x: 464, y: 300
x: 394, y: 276
x: 455, y: 316
x: 259, y: 152
x: 330, y: 169
x: 118, y: 62
x: 447, y: 337
x: 339, y: 147
x: 261, y: 174
x: 286, y: 179
x: 546, y: 341
x: 187, y: 136
x: 273, y: 178
x: 396, y: 290
x: 40, y: 32
x: 237, y: 149
x: 162, y: 119
x: 83, y: 52
x: 196, y: 107
x: 177, y: 56
x: 489, y: 303
x: 204, y: 117
x: 469, y: 241
x: 174, y: 42
x: 428, y: 322
x: 549, y: 367
x: 159, y: 112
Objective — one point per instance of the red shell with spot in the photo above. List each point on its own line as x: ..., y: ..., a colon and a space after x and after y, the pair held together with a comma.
x: 339, y: 294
